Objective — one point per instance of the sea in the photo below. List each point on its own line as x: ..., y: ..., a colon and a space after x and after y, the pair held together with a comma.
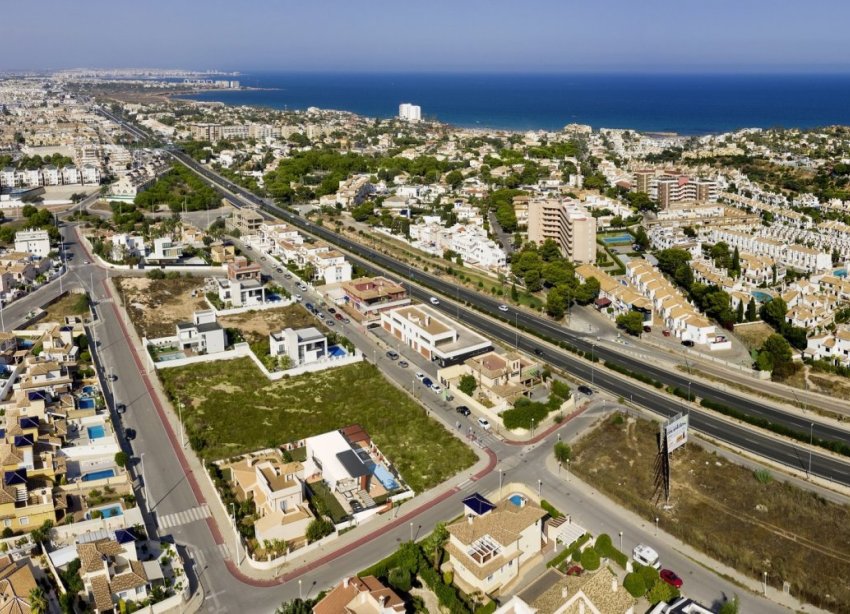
x: 677, y: 103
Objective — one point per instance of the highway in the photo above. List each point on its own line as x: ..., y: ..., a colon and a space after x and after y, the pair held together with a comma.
x: 757, y: 442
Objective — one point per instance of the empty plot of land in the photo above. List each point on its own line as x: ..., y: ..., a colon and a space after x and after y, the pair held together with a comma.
x: 156, y: 305
x: 230, y: 409
x: 258, y: 324
x: 749, y: 521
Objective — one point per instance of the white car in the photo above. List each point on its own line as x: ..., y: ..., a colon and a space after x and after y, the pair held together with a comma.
x: 436, y: 388
x: 434, y: 300
x: 503, y: 308
x: 420, y: 376
x: 484, y: 423
x: 297, y: 297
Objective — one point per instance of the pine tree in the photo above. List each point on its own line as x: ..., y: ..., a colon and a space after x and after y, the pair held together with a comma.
x: 752, y: 315
x: 740, y: 313
x: 735, y: 269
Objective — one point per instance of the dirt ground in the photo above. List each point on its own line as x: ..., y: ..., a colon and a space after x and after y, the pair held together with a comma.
x: 157, y: 305
x: 753, y: 335
x: 70, y: 304
x: 752, y: 522
x: 256, y: 325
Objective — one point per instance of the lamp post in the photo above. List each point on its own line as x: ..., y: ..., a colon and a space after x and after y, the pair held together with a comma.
x: 516, y: 330
x: 811, y: 441
x: 656, y: 526
x: 539, y: 488
x: 300, y: 595
x: 592, y: 364
x: 500, y: 484
x: 532, y: 427
x: 411, y: 531
x: 621, y: 541
x: 180, y: 418
x: 764, y: 582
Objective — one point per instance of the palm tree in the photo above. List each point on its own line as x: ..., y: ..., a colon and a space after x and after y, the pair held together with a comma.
x: 38, y: 601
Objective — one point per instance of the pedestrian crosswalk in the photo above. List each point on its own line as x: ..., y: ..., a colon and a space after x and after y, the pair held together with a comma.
x: 185, y: 517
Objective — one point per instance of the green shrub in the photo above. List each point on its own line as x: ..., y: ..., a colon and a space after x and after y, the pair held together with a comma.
x: 563, y: 452
x: 606, y: 548
x: 551, y: 509
x: 576, y: 555
x: 561, y: 389
x: 635, y: 585
x: 487, y: 609
x: 590, y: 559
x: 649, y: 574
x: 399, y: 579
x: 661, y: 591
x: 603, y: 543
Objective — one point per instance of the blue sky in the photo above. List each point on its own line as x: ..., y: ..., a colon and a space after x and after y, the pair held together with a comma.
x: 430, y: 35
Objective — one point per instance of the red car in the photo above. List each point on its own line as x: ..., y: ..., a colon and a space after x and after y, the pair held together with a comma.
x: 670, y: 578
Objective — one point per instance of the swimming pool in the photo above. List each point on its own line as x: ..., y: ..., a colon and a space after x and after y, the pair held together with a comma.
x: 385, y: 477
x: 89, y: 390
x: 96, y: 432
x: 87, y: 403
x: 623, y: 238
x: 761, y: 297
x: 517, y: 499
x: 108, y: 511
x: 99, y: 475
x: 337, y: 351
x: 170, y: 356
x: 840, y: 272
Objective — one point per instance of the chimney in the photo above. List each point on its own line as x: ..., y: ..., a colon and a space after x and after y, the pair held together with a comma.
x: 614, y: 584
x: 469, y: 519
x: 564, y: 593
x: 345, y: 582
x: 383, y: 600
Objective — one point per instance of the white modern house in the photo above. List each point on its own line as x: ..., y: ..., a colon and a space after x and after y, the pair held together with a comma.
x: 245, y: 293
x: 125, y: 244
x: 165, y: 249
x: 33, y: 242
x: 203, y: 335
x: 303, y: 346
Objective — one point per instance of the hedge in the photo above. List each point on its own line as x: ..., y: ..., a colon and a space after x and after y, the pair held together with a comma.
x: 573, y: 550
x: 446, y: 595
x: 551, y: 509
x: 634, y: 374
x: 635, y: 585
x: 836, y: 446
x: 590, y: 559
x: 606, y: 548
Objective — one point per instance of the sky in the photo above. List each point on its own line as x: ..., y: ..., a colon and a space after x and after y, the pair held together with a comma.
x: 430, y: 35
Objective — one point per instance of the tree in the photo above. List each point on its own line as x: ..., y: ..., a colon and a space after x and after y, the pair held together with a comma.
x: 467, y: 384
x: 38, y: 601
x: 773, y: 312
x: 563, y: 452
x: 532, y: 280
x: 454, y: 179
x: 556, y: 302
x: 514, y: 293
x: 731, y: 606
x: 297, y: 606
x: 318, y: 528
x: 670, y: 259
x: 631, y: 322
x: 735, y: 267
x: 549, y: 251
x: 739, y: 313
x: 752, y: 314
x: 635, y: 585
x: 587, y: 292
x: 399, y: 579
x: 661, y: 591
x: 590, y: 559
x: 641, y: 238
x: 121, y: 459
x: 775, y: 355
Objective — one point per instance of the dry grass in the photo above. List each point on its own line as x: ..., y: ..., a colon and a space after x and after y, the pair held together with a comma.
x: 256, y: 325
x: 67, y: 305
x: 155, y: 306
x: 754, y: 335
x: 721, y: 509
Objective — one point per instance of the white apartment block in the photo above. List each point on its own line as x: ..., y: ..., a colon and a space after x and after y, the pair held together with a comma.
x: 469, y: 241
x: 565, y: 222
x: 795, y: 256
x: 409, y: 112
x: 34, y: 242
x: 834, y: 347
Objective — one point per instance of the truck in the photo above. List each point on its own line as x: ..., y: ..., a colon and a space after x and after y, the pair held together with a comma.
x: 646, y: 556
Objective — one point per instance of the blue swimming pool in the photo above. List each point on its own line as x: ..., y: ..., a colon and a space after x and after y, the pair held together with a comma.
x: 337, y: 351
x: 623, y: 238
x: 87, y: 403
x: 89, y: 390
x: 96, y: 432
x: 109, y: 511
x: 385, y: 477
x: 99, y: 475
x: 516, y: 499
x: 170, y: 356
x: 840, y: 272
x: 761, y: 297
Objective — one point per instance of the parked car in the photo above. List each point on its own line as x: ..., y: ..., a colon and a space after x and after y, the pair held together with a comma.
x: 463, y: 409
x: 646, y: 556
x: 392, y: 355
x: 665, y: 332
x: 309, y: 307
x: 647, y: 329
x: 670, y: 578
x: 346, y: 320
x: 503, y: 307
x: 279, y: 270
x: 331, y: 309
x: 688, y: 343
x: 287, y: 275
x: 338, y: 316
x: 436, y: 388
x: 320, y: 315
x: 484, y: 423
x: 131, y: 434
x: 575, y: 570
x: 434, y: 300
x: 120, y: 408
x: 263, y: 258
x: 297, y: 297
x: 538, y: 351
x: 329, y: 322
x: 403, y: 364
x: 420, y: 376
x: 585, y: 390
x: 426, y: 381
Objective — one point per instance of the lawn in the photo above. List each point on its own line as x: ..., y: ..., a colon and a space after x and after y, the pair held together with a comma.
x: 230, y: 409
x: 752, y: 522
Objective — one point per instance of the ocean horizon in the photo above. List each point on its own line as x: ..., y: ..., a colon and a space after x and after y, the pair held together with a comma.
x: 689, y: 105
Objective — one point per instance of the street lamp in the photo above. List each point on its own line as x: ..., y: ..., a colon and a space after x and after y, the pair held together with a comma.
x: 656, y: 526
x: 764, y: 580
x: 532, y: 427
x: 300, y: 596
x: 811, y: 441
x: 621, y: 541
x: 516, y: 329
x: 500, y: 484
x: 180, y: 418
x: 539, y: 488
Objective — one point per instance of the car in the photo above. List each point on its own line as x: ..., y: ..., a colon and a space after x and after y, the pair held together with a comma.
x: 131, y: 434
x: 670, y: 578
x: 309, y: 306
x: 297, y: 297
x: 112, y: 377
x: 647, y: 329
x: 86, y: 262
x: 120, y: 408
x: 356, y: 506
x: 338, y: 316
x: 287, y: 275
x: 279, y: 270
x: 403, y: 364
x: 426, y: 381
x: 331, y: 310
x: 463, y: 410
x: 263, y: 258
x: 484, y: 423
x: 503, y: 307
x: 538, y: 351
x: 665, y: 332
x: 688, y: 343
x: 420, y: 376
x: 585, y: 390
x: 392, y: 355
x: 434, y: 300
x: 330, y: 323
x: 436, y: 388
x: 346, y: 320
x: 320, y: 315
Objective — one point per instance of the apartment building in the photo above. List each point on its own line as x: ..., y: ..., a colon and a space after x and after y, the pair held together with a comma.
x: 409, y: 112
x: 796, y: 256
x: 367, y: 297
x: 565, y: 222
x: 667, y: 188
x: 33, y: 242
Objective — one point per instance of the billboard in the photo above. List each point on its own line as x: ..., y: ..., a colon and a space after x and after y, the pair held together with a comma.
x: 676, y: 432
